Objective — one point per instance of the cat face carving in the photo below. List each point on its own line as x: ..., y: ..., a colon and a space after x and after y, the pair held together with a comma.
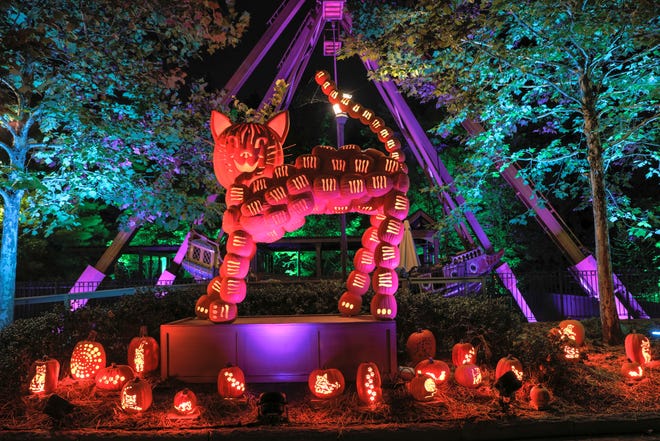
x: 248, y: 149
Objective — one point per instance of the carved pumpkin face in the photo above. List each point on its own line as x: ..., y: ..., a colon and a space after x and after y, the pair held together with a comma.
x: 231, y: 382
x: 247, y: 148
x: 87, y: 358
x: 143, y: 353
x: 44, y: 376
x: 420, y: 345
x: 114, y: 377
x: 326, y: 383
x: 638, y: 348
x: 136, y: 396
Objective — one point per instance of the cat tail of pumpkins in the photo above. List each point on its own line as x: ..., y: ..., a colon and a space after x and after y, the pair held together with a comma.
x: 366, y: 116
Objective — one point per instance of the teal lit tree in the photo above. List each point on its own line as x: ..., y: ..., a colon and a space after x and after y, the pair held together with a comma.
x: 96, y: 107
x: 567, y: 89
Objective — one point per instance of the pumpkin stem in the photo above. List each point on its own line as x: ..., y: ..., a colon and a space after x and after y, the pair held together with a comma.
x: 143, y: 331
x: 92, y: 335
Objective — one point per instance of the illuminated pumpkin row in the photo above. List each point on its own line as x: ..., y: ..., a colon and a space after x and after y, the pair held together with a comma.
x: 266, y: 198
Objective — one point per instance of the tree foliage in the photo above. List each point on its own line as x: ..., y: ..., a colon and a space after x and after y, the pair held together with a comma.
x: 96, y: 105
x: 517, y: 69
x: 566, y: 89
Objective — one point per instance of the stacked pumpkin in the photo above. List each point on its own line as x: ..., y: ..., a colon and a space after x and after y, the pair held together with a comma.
x: 429, y: 374
x: 464, y: 358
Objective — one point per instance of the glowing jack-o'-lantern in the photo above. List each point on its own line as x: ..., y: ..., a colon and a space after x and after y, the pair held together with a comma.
x: 539, y: 397
x: 136, y: 395
x: 468, y: 375
x: 463, y: 353
x: 44, y: 375
x: 114, y: 377
x: 638, y: 348
x: 350, y: 304
x: 247, y: 148
x: 87, y: 358
x: 632, y: 370
x: 383, y: 307
x: 572, y: 330
x: 143, y: 353
x: 422, y: 388
x: 231, y: 382
x: 202, y: 306
x: 185, y: 402
x: 368, y: 384
x: 420, y: 345
x: 222, y: 312
x: 385, y: 281
x: 506, y: 364
x: 326, y: 383
x: 571, y: 351
x: 436, y: 369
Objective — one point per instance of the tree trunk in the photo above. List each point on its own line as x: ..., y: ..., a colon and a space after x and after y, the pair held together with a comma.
x: 12, y: 205
x: 609, y: 318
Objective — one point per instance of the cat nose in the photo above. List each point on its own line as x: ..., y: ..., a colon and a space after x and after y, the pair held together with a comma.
x: 246, y: 155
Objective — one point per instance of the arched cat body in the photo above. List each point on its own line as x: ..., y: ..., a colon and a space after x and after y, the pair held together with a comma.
x: 266, y: 198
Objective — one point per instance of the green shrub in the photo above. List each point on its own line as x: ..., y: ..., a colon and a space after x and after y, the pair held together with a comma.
x: 490, y: 323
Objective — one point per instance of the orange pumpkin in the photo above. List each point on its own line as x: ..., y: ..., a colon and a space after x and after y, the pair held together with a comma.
x: 222, y: 312
x: 436, y: 369
x: 185, y: 402
x: 383, y: 307
x: 114, y: 377
x: 368, y: 383
x: 632, y: 370
x: 420, y: 345
x: 143, y: 353
x: 136, y: 395
x: 468, y: 375
x: 506, y: 364
x: 87, y: 358
x: 326, y: 383
x: 231, y: 382
x: 572, y: 330
x: 44, y: 374
x: 350, y: 304
x: 422, y: 388
x: 539, y: 397
x: 638, y: 348
x: 202, y: 306
x: 463, y: 353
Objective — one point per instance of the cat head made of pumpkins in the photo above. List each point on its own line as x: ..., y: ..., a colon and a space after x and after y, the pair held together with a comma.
x: 247, y: 150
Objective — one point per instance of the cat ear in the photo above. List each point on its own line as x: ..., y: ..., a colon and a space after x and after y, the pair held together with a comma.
x: 280, y: 124
x: 219, y: 122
